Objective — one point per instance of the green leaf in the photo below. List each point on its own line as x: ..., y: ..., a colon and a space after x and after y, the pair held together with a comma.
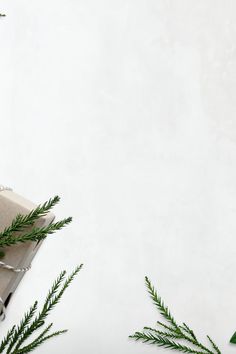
x: 233, y: 338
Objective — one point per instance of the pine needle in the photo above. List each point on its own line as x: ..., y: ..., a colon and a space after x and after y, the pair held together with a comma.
x: 173, y: 333
x: 31, y: 322
x: 164, y: 311
x: 20, y: 329
x: 7, y: 339
x: 36, y: 234
x: 160, y: 341
x: 215, y: 347
x: 20, y: 222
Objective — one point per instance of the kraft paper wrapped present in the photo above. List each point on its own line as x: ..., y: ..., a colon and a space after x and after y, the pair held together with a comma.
x: 19, y: 255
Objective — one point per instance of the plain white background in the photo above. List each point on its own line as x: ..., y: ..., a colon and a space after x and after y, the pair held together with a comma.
x: 126, y: 109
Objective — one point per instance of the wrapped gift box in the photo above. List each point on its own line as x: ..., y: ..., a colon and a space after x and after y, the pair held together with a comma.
x: 19, y: 255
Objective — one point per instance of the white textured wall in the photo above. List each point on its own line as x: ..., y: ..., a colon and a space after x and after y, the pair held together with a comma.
x: 126, y: 109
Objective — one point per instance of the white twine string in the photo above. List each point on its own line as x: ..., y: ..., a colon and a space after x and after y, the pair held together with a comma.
x: 4, y: 188
x: 3, y: 310
x: 16, y: 270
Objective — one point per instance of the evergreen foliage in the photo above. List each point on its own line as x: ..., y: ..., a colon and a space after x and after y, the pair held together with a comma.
x: 21, y: 223
x: 171, y: 335
x: 16, y: 340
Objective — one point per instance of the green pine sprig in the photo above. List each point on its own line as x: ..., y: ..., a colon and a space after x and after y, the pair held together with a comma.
x: 22, y: 222
x: 172, y: 335
x: 36, y: 234
x: 14, y: 342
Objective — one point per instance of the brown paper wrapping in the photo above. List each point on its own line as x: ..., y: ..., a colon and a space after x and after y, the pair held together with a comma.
x: 19, y: 255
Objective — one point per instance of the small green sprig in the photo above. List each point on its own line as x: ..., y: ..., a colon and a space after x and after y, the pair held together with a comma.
x: 14, y: 342
x: 36, y: 234
x: 21, y: 222
x: 172, y: 335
